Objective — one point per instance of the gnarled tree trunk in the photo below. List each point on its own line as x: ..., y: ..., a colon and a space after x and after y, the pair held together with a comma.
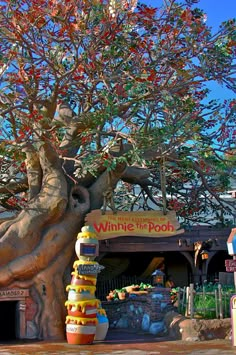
x: 37, y: 247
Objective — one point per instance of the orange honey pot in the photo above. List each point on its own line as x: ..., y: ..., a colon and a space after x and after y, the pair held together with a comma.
x: 84, y: 309
x: 80, y: 331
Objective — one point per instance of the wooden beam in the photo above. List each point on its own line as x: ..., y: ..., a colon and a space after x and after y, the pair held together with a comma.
x: 139, y: 244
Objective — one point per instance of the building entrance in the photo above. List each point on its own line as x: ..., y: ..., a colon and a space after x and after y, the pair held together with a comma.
x: 12, y: 314
x: 8, y: 324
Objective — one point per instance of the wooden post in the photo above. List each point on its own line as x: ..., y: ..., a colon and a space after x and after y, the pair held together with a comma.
x: 234, y: 258
x: 220, y: 301
x: 216, y: 303
x: 187, y: 302
x: 181, y: 300
x: 178, y: 300
x: 233, y: 318
x: 204, y: 300
x: 191, y: 300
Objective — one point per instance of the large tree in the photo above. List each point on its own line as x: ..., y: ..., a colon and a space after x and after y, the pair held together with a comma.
x: 96, y: 97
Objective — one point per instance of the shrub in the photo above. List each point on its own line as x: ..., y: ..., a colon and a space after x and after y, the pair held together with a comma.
x: 209, y: 301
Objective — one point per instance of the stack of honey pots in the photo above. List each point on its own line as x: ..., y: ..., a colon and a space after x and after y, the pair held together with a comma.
x: 83, y: 323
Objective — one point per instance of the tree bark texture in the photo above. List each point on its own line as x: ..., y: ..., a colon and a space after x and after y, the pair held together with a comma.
x: 37, y: 247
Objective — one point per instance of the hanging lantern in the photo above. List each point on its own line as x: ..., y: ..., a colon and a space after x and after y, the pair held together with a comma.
x: 158, y: 278
x: 204, y: 254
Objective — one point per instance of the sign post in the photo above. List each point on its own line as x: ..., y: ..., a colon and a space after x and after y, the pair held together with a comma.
x: 233, y: 318
x: 231, y: 267
x: 231, y: 245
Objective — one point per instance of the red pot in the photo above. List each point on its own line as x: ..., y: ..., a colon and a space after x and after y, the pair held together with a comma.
x: 80, y: 331
x: 80, y: 334
x: 89, y: 312
x: 76, y: 280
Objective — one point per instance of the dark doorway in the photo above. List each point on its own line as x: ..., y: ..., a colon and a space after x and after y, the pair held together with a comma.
x: 8, y: 320
x: 217, y: 265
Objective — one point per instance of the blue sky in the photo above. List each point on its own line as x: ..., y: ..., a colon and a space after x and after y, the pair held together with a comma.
x: 217, y: 11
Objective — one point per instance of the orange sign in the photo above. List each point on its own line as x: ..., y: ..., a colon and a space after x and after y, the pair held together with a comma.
x: 14, y: 293
x: 140, y: 223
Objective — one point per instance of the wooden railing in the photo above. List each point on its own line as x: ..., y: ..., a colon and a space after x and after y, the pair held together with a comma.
x: 204, y: 303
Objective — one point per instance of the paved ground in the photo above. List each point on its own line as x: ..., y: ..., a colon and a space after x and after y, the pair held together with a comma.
x: 121, y: 343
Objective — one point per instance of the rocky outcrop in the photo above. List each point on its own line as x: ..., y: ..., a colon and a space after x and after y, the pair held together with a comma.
x: 186, y: 329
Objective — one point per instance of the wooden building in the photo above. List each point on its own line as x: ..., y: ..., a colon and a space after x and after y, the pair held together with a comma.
x: 194, y: 256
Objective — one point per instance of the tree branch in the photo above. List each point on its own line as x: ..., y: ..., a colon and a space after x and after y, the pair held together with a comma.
x: 101, y: 185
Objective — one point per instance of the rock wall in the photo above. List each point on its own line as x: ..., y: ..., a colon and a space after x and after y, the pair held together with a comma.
x: 153, y: 313
x: 186, y: 329
x: 141, y: 312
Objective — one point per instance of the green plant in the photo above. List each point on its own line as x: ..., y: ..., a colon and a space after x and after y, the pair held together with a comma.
x: 174, y: 294
x: 209, y: 300
x: 204, y: 306
x: 144, y: 286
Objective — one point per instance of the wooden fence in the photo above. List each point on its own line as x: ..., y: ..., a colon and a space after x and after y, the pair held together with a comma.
x: 204, y: 303
x: 192, y: 303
